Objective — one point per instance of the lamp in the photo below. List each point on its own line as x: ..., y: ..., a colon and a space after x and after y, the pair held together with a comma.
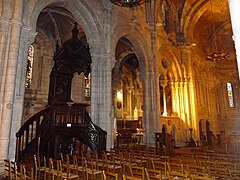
x: 216, y: 56
x: 128, y: 3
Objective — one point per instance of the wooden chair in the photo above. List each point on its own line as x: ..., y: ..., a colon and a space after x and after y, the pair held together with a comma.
x: 208, y: 163
x: 53, y: 169
x: 153, y: 174
x: 14, y: 170
x: 139, y: 159
x: 91, y: 169
x: 78, y: 166
x: 175, y: 167
x: 10, y: 167
x: 24, y: 175
x: 217, y: 173
x: 196, y: 170
x: 65, y: 173
x: 130, y: 178
x: 111, y: 165
x: 177, y: 175
x: 162, y: 166
x: 127, y: 161
x: 194, y: 177
x: 40, y: 165
x: 176, y: 159
x: 234, y: 174
x: 109, y: 175
x: 226, y: 164
x: 137, y: 171
x: 7, y: 169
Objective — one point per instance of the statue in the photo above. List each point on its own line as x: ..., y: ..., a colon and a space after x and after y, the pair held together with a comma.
x: 135, y: 114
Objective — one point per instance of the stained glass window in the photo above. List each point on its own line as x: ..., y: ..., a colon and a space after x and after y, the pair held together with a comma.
x: 29, y: 66
x: 87, y: 91
x: 230, y: 95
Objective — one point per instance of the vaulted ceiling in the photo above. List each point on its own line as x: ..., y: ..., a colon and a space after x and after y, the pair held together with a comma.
x: 205, y: 22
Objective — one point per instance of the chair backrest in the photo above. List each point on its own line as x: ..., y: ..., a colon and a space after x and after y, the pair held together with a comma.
x: 153, y: 174
x: 177, y: 175
x: 24, y: 175
x: 159, y: 165
x: 109, y: 175
x: 7, y: 168
x: 14, y: 170
x: 215, y: 172
x: 177, y: 167
x: 137, y: 171
x: 196, y: 170
x: 130, y: 178
x: 194, y: 177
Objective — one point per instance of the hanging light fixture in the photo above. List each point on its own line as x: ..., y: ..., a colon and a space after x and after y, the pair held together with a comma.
x: 128, y: 3
x: 216, y: 56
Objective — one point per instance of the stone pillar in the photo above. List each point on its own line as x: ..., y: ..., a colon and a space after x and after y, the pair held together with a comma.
x: 234, y: 6
x: 10, y: 81
x: 174, y: 100
x: 95, y: 83
x: 148, y: 124
x: 190, y: 91
x: 101, y: 95
x: 4, y: 48
x: 27, y: 38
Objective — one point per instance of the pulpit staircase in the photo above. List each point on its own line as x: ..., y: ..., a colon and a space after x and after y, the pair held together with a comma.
x: 47, y: 132
x: 43, y: 134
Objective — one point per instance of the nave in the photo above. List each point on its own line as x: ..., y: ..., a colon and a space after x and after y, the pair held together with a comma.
x: 136, y: 162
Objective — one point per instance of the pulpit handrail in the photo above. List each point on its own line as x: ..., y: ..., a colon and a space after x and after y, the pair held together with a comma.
x: 29, y: 131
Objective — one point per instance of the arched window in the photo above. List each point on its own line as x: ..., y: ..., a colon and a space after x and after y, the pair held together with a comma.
x: 29, y: 66
x: 87, y: 92
x: 165, y: 15
x: 230, y: 95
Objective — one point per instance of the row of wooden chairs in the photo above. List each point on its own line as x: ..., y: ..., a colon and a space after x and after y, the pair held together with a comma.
x: 16, y: 172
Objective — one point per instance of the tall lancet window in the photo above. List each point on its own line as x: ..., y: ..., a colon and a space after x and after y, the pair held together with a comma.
x: 29, y: 66
x: 230, y: 95
x: 87, y: 91
x: 165, y: 14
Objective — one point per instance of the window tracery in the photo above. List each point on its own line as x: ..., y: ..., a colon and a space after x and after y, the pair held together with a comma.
x: 29, y: 66
x: 87, y: 92
x: 230, y: 95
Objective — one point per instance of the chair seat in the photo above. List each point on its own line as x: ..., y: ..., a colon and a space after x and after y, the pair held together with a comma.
x: 69, y: 176
x: 93, y: 171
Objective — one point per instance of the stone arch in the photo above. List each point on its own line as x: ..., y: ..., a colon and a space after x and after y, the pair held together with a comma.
x: 140, y: 45
x: 192, y: 15
x: 82, y: 12
x: 166, y: 52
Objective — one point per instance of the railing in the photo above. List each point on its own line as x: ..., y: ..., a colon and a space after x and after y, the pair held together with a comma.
x: 42, y: 128
x: 29, y: 131
x: 68, y: 113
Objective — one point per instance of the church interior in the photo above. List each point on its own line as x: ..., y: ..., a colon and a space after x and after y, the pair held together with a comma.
x: 116, y: 89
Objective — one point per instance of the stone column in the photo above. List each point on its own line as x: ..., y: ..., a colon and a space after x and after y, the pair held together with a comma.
x: 147, y: 113
x: 174, y: 103
x: 10, y: 81
x: 27, y: 38
x: 4, y: 48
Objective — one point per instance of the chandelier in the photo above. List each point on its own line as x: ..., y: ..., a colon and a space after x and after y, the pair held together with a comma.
x: 216, y: 56
x: 128, y: 3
